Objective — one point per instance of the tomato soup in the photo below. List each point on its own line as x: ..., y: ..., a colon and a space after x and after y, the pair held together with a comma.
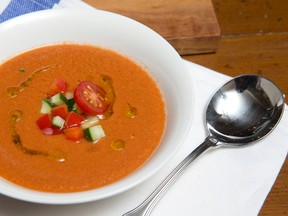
x: 131, y: 115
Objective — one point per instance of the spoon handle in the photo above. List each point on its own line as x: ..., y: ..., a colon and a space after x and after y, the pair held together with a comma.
x: 146, y: 207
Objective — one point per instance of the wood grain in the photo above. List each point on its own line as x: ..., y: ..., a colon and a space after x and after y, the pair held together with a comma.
x: 239, y: 17
x: 265, y: 55
x: 190, y: 26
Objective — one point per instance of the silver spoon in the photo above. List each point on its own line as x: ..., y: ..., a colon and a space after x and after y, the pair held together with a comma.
x: 242, y: 111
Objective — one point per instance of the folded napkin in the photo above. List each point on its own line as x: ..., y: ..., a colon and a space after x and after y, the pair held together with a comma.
x: 223, y: 181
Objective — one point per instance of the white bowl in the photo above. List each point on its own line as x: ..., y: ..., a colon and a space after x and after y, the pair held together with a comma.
x: 129, y: 38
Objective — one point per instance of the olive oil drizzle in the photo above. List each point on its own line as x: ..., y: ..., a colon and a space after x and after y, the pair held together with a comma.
x: 107, y: 84
x: 118, y: 145
x: 130, y: 111
x: 15, y: 90
x: 14, y: 117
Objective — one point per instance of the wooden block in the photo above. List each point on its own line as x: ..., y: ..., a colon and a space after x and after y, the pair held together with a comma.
x: 190, y: 26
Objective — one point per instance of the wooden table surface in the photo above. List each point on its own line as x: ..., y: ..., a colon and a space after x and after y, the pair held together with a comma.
x: 254, y: 40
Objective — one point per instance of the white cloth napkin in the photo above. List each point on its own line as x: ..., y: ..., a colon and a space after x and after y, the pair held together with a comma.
x: 222, y: 181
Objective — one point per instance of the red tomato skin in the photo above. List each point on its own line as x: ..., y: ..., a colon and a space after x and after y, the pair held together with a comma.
x: 95, y: 93
x: 73, y: 119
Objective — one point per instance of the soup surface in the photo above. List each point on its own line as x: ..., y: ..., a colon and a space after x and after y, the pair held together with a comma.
x: 45, y: 162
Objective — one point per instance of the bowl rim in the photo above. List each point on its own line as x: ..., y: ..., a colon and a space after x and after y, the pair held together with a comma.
x: 9, y: 189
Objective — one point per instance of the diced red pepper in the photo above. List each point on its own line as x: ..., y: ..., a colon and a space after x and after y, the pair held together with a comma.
x: 44, y: 121
x: 73, y: 120
x: 74, y: 133
x: 61, y: 111
x: 59, y: 85
x: 45, y: 125
x: 57, y: 130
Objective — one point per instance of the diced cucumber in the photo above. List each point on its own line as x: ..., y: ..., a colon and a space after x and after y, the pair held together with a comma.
x: 77, y: 109
x: 46, y: 106
x: 89, y: 122
x: 57, y: 121
x: 94, y: 133
x: 70, y: 104
x: 58, y: 99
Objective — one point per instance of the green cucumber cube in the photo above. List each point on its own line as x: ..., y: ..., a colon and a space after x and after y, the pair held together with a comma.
x: 94, y: 133
x: 58, y: 99
x: 46, y: 106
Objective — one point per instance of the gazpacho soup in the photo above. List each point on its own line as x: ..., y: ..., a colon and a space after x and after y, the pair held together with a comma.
x: 76, y: 117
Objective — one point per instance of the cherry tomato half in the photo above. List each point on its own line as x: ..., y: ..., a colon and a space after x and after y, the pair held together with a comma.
x: 90, y: 98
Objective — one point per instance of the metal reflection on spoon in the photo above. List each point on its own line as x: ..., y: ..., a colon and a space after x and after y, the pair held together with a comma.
x: 242, y: 111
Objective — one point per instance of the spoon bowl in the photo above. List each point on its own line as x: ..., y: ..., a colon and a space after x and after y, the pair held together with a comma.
x: 242, y: 111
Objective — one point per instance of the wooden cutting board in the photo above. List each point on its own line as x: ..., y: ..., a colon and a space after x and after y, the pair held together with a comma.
x: 190, y: 26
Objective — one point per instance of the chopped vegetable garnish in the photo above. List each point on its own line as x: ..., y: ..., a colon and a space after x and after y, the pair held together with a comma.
x: 63, y: 115
x: 74, y: 119
x: 44, y: 121
x: 71, y: 104
x: 89, y: 122
x: 51, y: 131
x: 94, y: 133
x: 77, y: 109
x: 69, y: 95
x: 58, y: 86
x: 58, y: 122
x: 46, y: 106
x: 74, y: 133
x: 58, y: 99
x: 61, y: 111
x: 47, y: 131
